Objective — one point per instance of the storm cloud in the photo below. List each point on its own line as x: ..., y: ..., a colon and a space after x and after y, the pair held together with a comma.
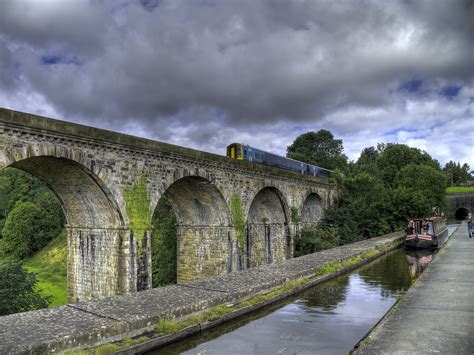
x: 206, y: 73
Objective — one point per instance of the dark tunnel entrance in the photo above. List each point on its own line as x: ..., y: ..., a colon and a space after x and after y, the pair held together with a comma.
x: 462, y: 213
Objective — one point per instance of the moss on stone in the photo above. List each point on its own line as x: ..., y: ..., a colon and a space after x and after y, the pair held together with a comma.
x: 138, y: 206
x: 295, y: 215
x: 238, y: 218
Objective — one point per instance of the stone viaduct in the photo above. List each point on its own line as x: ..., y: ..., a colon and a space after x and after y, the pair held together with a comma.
x: 460, y: 204
x: 230, y: 214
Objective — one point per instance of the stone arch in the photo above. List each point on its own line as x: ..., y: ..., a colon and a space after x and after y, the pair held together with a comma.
x: 462, y: 213
x: 203, y: 228
x: 268, y: 236
x: 73, y: 177
x: 95, y: 225
x: 312, y: 209
x: 85, y: 199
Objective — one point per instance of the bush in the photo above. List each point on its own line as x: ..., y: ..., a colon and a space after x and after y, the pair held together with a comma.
x: 22, y: 233
x: 314, y: 239
x: 17, y: 291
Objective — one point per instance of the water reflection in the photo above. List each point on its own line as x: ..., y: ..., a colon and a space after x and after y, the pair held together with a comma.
x: 418, y: 260
x: 330, y: 318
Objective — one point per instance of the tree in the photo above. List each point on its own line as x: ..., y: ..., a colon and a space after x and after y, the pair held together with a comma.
x: 22, y: 233
x: 318, y: 148
x: 367, y: 161
x: 19, y: 186
x: 396, y: 156
x: 456, y: 174
x: 360, y: 213
x: 425, y: 179
x: 17, y: 290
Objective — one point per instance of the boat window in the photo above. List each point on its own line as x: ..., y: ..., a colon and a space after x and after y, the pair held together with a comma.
x: 430, y: 228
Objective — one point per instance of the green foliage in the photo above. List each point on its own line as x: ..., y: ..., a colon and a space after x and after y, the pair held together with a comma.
x: 360, y: 212
x: 238, y: 219
x: 30, y: 215
x: 50, y: 266
x: 456, y: 174
x: 394, y: 157
x: 18, y: 186
x: 138, y: 206
x: 425, y: 179
x: 319, y: 148
x: 385, y: 187
x: 164, y: 244
x: 314, y: 239
x: 30, y: 218
x: 23, y: 232
x: 295, y: 215
x: 17, y: 290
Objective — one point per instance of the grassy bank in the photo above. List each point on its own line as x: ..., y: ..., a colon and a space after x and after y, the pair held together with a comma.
x: 50, y: 266
x: 457, y: 189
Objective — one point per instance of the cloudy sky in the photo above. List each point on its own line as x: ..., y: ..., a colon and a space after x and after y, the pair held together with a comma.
x: 204, y: 73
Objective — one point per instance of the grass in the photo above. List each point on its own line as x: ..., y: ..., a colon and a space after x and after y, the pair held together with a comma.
x: 49, y: 264
x: 457, y: 189
x: 335, y: 266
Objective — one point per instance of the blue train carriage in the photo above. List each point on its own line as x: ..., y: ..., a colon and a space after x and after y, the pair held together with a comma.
x: 244, y: 152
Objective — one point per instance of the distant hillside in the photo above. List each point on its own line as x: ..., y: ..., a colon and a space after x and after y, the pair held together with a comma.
x: 50, y: 266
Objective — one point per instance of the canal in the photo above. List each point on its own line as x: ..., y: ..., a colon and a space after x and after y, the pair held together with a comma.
x: 328, y: 319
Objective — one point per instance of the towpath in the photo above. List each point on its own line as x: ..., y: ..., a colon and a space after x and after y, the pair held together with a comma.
x: 437, y: 314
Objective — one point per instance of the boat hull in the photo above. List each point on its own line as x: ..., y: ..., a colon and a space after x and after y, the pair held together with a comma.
x: 425, y: 241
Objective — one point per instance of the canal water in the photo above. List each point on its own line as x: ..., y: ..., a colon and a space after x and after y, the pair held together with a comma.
x: 327, y: 319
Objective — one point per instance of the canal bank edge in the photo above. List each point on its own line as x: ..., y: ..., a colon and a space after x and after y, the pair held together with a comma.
x: 131, y: 319
x: 193, y: 324
x: 361, y: 346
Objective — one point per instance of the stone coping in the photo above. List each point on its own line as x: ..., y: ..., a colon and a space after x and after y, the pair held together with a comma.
x: 92, y: 323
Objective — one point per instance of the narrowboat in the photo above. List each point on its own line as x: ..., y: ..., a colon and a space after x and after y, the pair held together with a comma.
x: 426, y: 232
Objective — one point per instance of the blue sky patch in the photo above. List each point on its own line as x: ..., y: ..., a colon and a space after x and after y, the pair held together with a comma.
x: 58, y: 59
x: 450, y: 91
x: 411, y: 86
x: 150, y: 5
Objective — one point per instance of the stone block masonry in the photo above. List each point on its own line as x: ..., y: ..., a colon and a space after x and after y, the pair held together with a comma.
x: 109, y: 185
x: 87, y: 324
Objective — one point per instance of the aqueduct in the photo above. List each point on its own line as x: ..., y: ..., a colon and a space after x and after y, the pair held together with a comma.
x: 109, y: 185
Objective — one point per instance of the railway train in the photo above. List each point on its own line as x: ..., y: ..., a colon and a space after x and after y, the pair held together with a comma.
x: 244, y: 152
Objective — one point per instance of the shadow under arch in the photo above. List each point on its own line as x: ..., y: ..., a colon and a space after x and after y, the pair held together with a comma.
x: 312, y: 209
x: 268, y: 237
x: 462, y: 213
x: 94, y: 226
x: 203, y: 229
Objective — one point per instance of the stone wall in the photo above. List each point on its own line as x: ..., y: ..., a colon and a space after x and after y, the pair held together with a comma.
x: 457, y: 201
x: 90, y: 171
